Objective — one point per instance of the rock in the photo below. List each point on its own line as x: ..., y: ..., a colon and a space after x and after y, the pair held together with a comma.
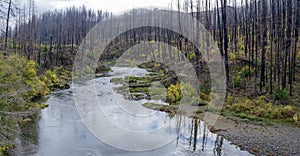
x: 67, y: 86
x: 214, y: 130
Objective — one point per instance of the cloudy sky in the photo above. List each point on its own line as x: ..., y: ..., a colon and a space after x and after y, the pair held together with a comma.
x: 115, y: 6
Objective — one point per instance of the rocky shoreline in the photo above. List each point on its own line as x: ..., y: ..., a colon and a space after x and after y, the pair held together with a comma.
x: 259, y: 138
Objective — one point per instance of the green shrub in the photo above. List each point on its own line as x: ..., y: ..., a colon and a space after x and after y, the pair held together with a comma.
x: 246, y: 72
x: 281, y: 94
x: 87, y: 70
x: 191, y: 56
x: 230, y: 99
x: 288, y: 111
x: 174, y: 92
x: 50, y: 78
x: 232, y: 56
x: 91, y: 55
x: 20, y: 76
x: 198, y: 111
x: 262, y: 109
x: 237, y: 81
x: 19, y: 86
x: 242, y: 47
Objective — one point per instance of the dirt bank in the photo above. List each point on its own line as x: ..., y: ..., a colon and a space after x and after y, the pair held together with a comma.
x: 259, y: 138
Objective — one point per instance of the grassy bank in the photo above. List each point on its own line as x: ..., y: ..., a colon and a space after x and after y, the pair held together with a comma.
x: 260, y: 109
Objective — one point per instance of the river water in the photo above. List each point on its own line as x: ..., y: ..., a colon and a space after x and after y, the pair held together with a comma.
x: 62, y: 132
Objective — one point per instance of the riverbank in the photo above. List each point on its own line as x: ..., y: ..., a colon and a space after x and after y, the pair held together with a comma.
x: 259, y: 138
x: 20, y: 90
x: 255, y: 125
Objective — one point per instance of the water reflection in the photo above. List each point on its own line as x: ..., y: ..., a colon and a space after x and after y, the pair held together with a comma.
x: 60, y: 131
x: 218, y: 145
x: 195, y: 137
x: 27, y: 142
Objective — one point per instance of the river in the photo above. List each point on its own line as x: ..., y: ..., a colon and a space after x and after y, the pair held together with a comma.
x: 61, y: 131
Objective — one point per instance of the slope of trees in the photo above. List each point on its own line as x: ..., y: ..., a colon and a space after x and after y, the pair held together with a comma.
x: 263, y: 35
x: 45, y: 37
x: 266, y: 38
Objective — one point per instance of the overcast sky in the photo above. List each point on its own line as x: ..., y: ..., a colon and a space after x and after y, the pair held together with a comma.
x: 115, y: 6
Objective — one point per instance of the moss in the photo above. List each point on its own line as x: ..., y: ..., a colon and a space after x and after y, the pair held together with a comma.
x: 139, y: 90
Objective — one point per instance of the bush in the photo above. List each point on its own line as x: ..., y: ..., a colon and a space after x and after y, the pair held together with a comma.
x: 191, y: 56
x: 281, y: 94
x: 242, y: 47
x: 44, y: 50
x: 87, y: 70
x: 288, y: 111
x: 246, y: 72
x: 261, y: 109
x: 20, y: 76
x: 91, y: 55
x: 174, y: 92
x: 50, y: 79
x: 19, y: 86
x: 230, y: 99
x: 237, y: 81
x: 198, y: 111
x: 190, y: 93
x: 232, y: 56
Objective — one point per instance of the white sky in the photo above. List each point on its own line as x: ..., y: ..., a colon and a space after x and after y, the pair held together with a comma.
x: 115, y: 6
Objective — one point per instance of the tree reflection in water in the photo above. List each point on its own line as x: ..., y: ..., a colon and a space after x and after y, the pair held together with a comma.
x: 218, y: 145
x: 27, y: 142
x: 197, y: 136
